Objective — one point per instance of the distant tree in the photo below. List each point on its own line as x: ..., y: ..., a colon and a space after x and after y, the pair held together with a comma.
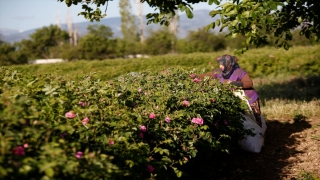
x: 40, y: 42
x: 10, y: 56
x: 159, y: 42
x: 254, y: 19
x: 201, y: 41
x: 129, y: 27
x: 97, y: 44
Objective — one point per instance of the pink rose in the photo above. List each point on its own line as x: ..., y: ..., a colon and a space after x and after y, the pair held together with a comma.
x: 212, y: 100
x: 18, y: 150
x: 196, y: 80
x: 167, y: 119
x: 82, y: 103
x: 197, y: 121
x: 143, y: 128
x: 192, y: 75
x: 186, y: 159
x: 70, y: 115
x: 165, y: 72
x: 150, y: 168
x: 26, y: 145
x: 78, y: 155
x: 139, y: 90
x: 152, y: 116
x: 85, y: 121
x: 185, y: 103
x: 111, y: 142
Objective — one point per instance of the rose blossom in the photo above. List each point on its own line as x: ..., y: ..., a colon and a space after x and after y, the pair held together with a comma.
x: 212, y: 100
x: 152, y: 116
x: 167, y: 119
x: 186, y: 103
x: 143, y: 128
x: 150, y: 168
x: 139, y: 90
x: 85, y: 121
x: 26, y: 145
x: 78, y: 155
x: 70, y: 115
x: 192, y: 75
x: 196, y: 80
x: 18, y: 150
x: 197, y: 121
x: 82, y: 103
x: 111, y: 142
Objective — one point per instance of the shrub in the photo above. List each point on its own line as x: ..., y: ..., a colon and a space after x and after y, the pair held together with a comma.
x: 140, y: 125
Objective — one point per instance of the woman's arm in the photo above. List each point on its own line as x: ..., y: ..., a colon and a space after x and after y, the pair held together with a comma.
x: 201, y: 76
x: 246, y: 82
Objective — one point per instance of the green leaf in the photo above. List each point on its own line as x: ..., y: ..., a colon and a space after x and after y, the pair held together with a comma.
x: 49, y: 172
x: 234, y: 23
x: 286, y: 46
x: 189, y: 13
x: 246, y: 14
x: 209, y: 26
x: 213, y: 13
x: 232, y: 13
x: 248, y: 40
x: 218, y: 22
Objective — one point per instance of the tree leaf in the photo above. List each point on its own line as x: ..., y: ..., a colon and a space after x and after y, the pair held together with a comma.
x: 189, y: 13
x: 213, y: 13
x: 246, y: 14
x: 211, y: 25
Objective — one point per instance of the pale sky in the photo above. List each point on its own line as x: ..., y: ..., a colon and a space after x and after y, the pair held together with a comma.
x: 24, y: 15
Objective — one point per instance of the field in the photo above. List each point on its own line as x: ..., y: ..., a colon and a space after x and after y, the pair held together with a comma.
x: 288, y: 85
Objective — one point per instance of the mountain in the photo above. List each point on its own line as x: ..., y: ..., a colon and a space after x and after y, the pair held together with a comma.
x: 201, y: 19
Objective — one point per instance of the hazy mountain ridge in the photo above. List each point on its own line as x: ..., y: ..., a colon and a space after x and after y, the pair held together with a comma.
x: 201, y: 18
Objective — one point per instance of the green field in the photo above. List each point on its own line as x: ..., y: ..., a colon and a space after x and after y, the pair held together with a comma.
x: 287, y: 83
x: 282, y: 78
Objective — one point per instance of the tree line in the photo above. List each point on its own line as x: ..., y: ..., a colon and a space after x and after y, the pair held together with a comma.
x: 99, y: 43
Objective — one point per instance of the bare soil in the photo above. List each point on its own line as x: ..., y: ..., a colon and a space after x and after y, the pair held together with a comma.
x: 291, y: 151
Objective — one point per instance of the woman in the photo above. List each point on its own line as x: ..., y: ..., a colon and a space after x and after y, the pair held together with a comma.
x: 231, y: 73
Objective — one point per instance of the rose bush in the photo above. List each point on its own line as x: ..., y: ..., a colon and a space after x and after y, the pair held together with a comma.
x: 137, y: 126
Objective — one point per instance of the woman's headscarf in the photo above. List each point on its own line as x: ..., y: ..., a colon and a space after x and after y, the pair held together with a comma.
x: 229, y: 63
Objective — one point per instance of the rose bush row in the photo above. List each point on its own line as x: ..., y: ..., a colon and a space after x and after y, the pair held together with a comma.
x: 140, y: 125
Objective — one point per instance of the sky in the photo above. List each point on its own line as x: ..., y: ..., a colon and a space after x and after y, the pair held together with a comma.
x: 24, y: 15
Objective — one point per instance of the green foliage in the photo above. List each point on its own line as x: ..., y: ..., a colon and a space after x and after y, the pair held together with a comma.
x: 201, y: 41
x: 298, y: 61
x: 136, y: 126
x: 159, y: 42
x: 304, y: 175
x: 97, y: 44
x: 42, y: 41
x: 10, y: 56
x: 250, y: 18
x: 299, y: 117
x: 128, y: 22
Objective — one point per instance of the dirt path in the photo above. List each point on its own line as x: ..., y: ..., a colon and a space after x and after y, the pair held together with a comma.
x: 291, y: 150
